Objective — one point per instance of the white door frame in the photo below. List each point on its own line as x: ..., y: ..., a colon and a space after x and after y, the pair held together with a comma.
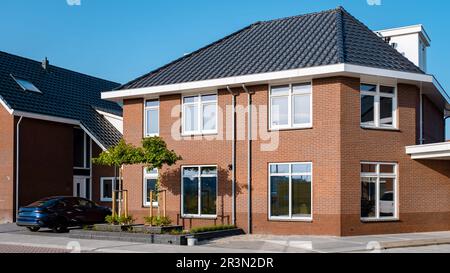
x: 82, y: 181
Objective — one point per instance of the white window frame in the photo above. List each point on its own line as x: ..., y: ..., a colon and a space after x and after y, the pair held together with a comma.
x: 199, y: 105
x: 86, y: 138
x: 148, y: 108
x: 146, y: 176
x: 377, y: 106
x: 379, y: 176
x: 290, y: 174
x: 199, y: 215
x: 291, y: 95
x: 102, y: 180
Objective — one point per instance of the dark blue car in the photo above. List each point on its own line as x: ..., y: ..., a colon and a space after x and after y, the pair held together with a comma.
x: 60, y: 213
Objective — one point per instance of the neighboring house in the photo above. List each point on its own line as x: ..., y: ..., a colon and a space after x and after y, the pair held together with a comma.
x: 350, y: 113
x: 52, y: 122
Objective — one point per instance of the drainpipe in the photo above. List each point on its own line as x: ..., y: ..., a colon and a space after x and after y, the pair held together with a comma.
x: 233, y: 158
x: 249, y: 159
x: 421, y: 140
x: 17, y: 163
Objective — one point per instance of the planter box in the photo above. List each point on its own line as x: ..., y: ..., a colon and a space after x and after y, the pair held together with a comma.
x: 113, y: 228
x: 204, y: 236
x: 157, y: 230
x: 129, y: 237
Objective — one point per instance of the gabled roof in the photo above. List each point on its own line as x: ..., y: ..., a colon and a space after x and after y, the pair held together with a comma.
x: 65, y: 94
x: 317, y: 39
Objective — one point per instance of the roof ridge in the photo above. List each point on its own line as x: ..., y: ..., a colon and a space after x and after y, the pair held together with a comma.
x: 393, y: 50
x: 58, y: 67
x: 304, y: 15
x: 340, y: 35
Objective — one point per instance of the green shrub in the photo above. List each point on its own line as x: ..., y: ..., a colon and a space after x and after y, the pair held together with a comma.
x: 119, y: 220
x: 157, y: 221
x: 212, y: 228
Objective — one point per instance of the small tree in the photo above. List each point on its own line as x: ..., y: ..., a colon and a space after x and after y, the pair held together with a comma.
x: 153, y: 154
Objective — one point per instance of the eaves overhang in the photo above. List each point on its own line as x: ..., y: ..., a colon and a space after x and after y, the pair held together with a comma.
x: 429, y: 82
x: 436, y: 151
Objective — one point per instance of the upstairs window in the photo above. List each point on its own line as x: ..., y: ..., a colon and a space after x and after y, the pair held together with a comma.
x: 291, y: 106
x: 378, y: 106
x: 200, y: 114
x: 26, y: 85
x: 81, y: 149
x: 151, y: 118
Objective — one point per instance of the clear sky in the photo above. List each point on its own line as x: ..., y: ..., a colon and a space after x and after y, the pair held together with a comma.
x: 120, y: 40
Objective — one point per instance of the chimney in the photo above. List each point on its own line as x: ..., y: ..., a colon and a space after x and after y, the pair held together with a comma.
x: 411, y: 41
x: 45, y: 64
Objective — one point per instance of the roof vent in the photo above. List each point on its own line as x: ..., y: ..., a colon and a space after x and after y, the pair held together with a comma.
x: 45, y: 64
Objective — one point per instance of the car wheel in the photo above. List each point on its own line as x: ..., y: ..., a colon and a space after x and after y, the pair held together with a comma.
x: 60, y: 227
x: 34, y: 229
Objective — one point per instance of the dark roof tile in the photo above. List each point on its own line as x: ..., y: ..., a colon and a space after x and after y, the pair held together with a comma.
x: 65, y: 94
x: 323, y: 38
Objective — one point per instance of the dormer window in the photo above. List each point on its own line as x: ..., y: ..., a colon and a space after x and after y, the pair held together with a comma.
x: 26, y: 85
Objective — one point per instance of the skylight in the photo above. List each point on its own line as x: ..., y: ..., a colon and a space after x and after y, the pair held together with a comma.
x: 27, y: 85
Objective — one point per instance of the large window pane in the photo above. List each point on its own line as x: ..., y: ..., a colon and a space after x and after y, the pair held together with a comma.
x: 209, y: 117
x: 107, y: 189
x: 279, y: 196
x: 190, y: 195
x: 78, y: 148
x: 152, y: 121
x: 386, y: 111
x: 387, y: 200
x: 302, y: 109
x: 280, y: 111
x: 301, y: 196
x: 191, y: 118
x: 367, y: 110
x: 209, y: 195
x: 151, y: 186
x: 368, y: 197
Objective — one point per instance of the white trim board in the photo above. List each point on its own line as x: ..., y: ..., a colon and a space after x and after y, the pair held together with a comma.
x: 437, y: 151
x: 292, y: 75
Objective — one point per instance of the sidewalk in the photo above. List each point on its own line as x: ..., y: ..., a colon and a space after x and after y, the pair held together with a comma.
x: 329, y: 244
x: 15, y: 236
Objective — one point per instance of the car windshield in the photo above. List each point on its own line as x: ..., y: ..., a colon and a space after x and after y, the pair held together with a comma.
x: 44, y: 203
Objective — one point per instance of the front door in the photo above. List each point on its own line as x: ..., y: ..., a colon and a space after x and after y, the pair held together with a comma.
x: 81, y: 187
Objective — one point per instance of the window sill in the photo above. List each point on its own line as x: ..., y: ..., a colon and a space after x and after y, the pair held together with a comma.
x: 298, y: 220
x: 380, y: 128
x: 214, y: 217
x: 387, y: 220
x: 290, y: 129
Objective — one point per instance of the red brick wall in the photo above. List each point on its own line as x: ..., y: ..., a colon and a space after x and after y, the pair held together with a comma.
x: 335, y: 145
x: 46, y: 160
x: 424, y: 187
x: 433, y: 123
x: 6, y: 165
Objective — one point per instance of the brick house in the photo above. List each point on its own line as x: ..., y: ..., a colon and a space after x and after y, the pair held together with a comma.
x: 52, y: 122
x: 311, y: 124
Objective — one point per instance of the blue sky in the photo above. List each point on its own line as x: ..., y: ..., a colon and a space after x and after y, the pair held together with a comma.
x: 120, y: 40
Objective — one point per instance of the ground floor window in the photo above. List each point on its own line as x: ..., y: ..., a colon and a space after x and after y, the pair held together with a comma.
x: 290, y: 191
x: 150, y: 185
x: 378, y: 190
x: 107, y: 184
x: 199, y: 191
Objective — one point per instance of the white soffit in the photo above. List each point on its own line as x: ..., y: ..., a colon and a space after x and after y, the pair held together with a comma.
x: 287, y: 75
x: 437, y: 151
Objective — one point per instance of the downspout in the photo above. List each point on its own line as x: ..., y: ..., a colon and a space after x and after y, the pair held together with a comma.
x: 233, y: 158
x: 249, y: 158
x: 17, y: 164
x: 421, y: 140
